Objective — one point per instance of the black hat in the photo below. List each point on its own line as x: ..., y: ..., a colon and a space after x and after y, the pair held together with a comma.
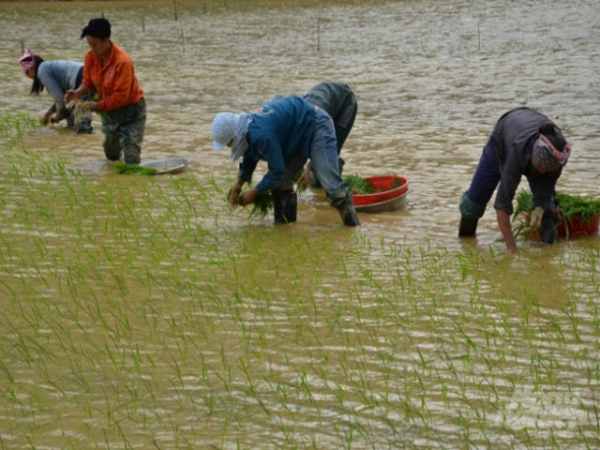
x: 98, y: 28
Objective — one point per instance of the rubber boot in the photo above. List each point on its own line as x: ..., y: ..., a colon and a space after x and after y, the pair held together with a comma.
x: 285, y: 205
x: 549, y: 227
x: 470, y: 212
x: 348, y: 214
x: 85, y: 127
x: 467, y: 227
x: 70, y: 120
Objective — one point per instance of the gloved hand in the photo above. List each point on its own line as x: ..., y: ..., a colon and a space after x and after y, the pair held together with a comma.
x: 233, y: 196
x: 535, y: 218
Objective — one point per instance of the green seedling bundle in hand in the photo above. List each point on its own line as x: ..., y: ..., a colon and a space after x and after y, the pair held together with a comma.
x: 262, y: 204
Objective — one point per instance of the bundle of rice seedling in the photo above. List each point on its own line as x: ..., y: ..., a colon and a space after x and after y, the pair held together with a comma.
x: 570, y: 205
x: 134, y: 169
x: 574, y: 205
x: 358, y: 185
x: 524, y: 203
x: 263, y: 203
x: 81, y: 109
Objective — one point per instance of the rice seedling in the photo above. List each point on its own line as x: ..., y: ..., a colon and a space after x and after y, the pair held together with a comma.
x: 358, y: 185
x: 570, y: 205
x: 134, y: 169
x: 261, y: 206
x: 136, y: 315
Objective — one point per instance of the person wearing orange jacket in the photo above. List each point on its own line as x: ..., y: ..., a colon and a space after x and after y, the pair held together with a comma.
x: 109, y: 74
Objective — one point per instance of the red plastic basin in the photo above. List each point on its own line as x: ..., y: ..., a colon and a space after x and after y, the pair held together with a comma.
x: 576, y: 226
x: 383, y: 184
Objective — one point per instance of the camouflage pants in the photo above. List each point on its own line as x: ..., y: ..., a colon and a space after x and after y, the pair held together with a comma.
x: 124, y: 132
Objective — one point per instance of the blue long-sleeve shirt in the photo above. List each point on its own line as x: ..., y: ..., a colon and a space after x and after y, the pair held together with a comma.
x: 280, y: 129
x: 58, y: 77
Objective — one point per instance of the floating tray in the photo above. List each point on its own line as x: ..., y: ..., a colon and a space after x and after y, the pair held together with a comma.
x: 167, y: 165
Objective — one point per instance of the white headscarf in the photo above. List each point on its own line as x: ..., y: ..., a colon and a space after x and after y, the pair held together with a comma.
x: 227, y: 127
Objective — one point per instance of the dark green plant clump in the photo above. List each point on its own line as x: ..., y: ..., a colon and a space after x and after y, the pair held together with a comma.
x: 397, y: 183
x: 263, y: 203
x: 358, y: 185
x: 570, y: 205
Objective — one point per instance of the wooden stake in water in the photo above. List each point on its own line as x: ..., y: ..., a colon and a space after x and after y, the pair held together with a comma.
x: 182, y: 36
x: 175, y: 7
x: 318, y: 34
x: 478, y: 37
x: 22, y: 47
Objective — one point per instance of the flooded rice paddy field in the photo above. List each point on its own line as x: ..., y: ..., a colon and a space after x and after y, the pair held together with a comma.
x: 140, y: 312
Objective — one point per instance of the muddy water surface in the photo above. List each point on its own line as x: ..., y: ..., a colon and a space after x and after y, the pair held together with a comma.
x: 177, y: 323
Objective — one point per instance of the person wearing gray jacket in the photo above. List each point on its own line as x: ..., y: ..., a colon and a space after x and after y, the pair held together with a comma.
x: 339, y: 101
x: 526, y: 143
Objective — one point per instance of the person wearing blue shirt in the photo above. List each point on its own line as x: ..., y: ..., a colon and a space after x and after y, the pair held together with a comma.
x: 285, y: 132
x: 57, y: 77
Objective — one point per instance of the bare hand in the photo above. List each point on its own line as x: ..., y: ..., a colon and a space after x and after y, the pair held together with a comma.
x: 247, y: 197
x: 70, y: 98
x: 304, y: 179
x: 233, y: 196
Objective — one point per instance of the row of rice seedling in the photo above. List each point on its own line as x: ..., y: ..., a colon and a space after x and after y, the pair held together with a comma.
x: 137, y: 313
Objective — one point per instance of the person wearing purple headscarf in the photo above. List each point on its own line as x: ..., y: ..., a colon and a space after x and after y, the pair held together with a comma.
x: 523, y: 142
x: 57, y: 77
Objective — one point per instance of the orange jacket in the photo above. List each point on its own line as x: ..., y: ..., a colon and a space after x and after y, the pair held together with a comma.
x: 115, y: 82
